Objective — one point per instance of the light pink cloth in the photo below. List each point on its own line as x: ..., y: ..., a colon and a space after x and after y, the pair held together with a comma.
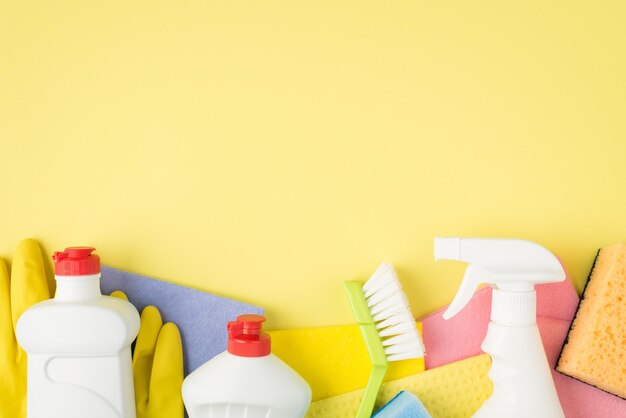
x: 461, y: 336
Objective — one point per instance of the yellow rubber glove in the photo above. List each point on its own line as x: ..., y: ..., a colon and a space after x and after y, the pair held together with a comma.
x: 26, y: 286
x: 157, y: 366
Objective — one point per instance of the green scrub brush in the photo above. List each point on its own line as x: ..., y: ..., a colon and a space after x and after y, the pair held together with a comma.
x: 388, y: 327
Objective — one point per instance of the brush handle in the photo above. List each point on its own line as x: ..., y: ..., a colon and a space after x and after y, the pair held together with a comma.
x: 379, y: 369
x: 374, y: 345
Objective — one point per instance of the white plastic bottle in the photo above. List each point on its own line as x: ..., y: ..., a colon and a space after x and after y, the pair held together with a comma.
x: 522, y: 381
x: 78, y: 345
x: 247, y: 380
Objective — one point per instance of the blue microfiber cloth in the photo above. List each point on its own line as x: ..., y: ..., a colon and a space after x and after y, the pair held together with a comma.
x: 403, y: 405
x: 201, y: 317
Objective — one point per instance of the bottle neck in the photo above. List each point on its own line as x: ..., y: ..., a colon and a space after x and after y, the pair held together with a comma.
x: 514, y: 308
x: 78, y: 288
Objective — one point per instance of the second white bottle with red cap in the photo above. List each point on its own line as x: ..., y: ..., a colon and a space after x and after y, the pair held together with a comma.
x: 78, y: 345
x: 247, y: 380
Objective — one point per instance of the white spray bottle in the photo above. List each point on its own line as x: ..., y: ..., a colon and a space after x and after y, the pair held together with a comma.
x: 523, y: 385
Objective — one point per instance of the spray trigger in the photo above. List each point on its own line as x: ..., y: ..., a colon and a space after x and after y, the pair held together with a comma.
x: 474, y: 276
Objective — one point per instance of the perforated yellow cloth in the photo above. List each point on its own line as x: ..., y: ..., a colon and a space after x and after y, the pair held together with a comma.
x: 333, y: 360
x: 455, y: 390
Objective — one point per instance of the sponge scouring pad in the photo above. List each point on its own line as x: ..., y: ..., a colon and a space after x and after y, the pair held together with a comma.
x: 595, y: 349
x: 403, y: 405
x: 456, y: 390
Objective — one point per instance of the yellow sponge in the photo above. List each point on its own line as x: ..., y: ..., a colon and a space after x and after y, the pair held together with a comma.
x: 333, y: 360
x: 455, y: 390
x: 595, y: 349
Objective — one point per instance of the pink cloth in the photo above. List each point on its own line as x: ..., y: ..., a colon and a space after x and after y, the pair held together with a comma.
x: 461, y: 337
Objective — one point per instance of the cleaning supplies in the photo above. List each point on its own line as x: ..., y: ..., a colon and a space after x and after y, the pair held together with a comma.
x: 247, y: 380
x: 157, y: 366
x: 333, y: 360
x: 457, y: 385
x: 78, y: 345
x: 26, y: 286
x: 404, y: 405
x: 595, y: 350
x: 382, y: 311
x: 523, y: 385
x: 201, y: 316
x: 460, y: 337
x: 455, y: 390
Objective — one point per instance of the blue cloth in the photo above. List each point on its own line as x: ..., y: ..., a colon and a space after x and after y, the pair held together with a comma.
x: 201, y: 317
x: 403, y: 405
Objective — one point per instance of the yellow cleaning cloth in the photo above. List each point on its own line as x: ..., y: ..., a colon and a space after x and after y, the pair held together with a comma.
x: 455, y: 390
x: 333, y: 360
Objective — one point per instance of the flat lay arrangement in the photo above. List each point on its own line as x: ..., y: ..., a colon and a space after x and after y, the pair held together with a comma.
x: 85, y: 353
x: 312, y: 209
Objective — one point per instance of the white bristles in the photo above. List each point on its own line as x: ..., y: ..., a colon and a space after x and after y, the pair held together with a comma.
x: 406, y: 356
x: 398, y: 339
x: 379, y: 279
x: 392, y: 300
x: 388, y: 313
x: 395, y: 319
x: 396, y: 330
x: 391, y: 313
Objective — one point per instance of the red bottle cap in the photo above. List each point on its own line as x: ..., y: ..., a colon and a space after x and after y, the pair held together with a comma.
x: 76, y: 261
x: 246, y: 337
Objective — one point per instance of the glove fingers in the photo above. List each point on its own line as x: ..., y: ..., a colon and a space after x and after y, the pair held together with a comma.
x: 120, y: 295
x: 143, y: 356
x: 167, y: 374
x: 8, y: 343
x: 28, y: 278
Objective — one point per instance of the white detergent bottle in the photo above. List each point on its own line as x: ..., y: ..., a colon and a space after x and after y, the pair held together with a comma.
x: 78, y: 345
x: 247, y: 380
x: 522, y: 380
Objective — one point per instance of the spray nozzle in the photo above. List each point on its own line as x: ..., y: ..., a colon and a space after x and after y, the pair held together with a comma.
x: 511, y: 265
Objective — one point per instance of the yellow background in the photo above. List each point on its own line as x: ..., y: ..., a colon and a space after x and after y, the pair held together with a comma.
x: 269, y: 150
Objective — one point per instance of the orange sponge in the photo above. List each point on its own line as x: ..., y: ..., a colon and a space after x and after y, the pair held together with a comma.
x: 595, y: 349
